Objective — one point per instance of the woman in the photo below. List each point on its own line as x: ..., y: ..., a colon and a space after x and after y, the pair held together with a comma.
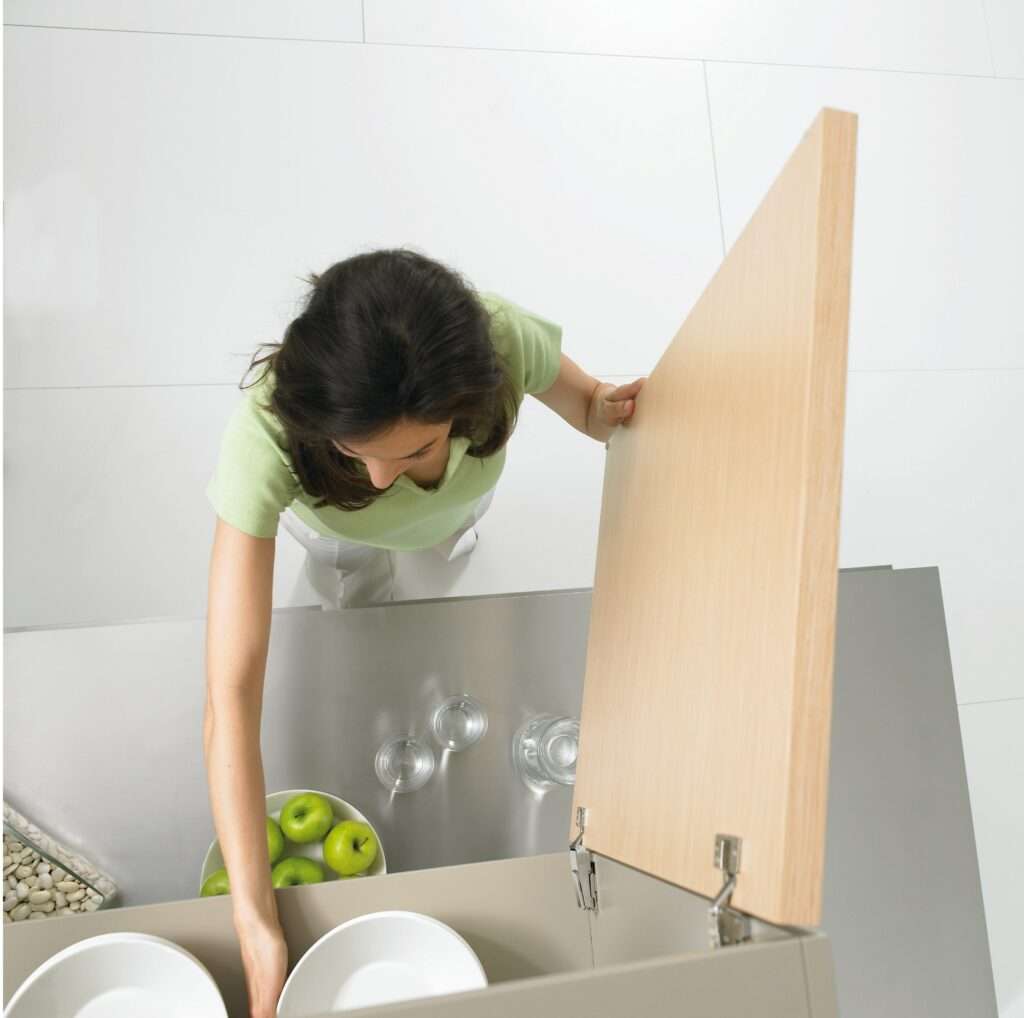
x: 378, y: 426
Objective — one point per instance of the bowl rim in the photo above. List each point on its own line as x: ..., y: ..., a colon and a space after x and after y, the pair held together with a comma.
x: 123, y: 937
x: 291, y: 793
x: 419, y: 917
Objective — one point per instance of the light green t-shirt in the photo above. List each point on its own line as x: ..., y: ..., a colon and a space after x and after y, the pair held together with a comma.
x: 254, y: 482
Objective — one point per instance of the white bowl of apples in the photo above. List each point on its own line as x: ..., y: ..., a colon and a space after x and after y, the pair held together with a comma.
x: 311, y: 837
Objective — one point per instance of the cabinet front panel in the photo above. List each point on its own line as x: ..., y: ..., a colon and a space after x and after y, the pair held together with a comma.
x: 706, y: 703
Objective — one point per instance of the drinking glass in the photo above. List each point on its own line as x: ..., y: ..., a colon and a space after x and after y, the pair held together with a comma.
x: 545, y: 749
x: 404, y: 764
x: 458, y: 722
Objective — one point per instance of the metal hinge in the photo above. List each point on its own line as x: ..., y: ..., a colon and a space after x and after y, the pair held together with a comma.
x: 726, y: 926
x: 582, y: 863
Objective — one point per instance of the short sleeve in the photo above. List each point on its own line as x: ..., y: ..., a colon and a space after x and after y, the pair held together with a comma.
x: 253, y: 482
x: 530, y: 344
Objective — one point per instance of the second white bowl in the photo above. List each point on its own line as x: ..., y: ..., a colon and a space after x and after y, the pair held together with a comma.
x: 380, y: 958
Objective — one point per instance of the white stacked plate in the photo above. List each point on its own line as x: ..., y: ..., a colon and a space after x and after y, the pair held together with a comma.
x: 119, y: 975
x: 380, y: 958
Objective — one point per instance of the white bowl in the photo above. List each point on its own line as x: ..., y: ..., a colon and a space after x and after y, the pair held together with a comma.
x: 119, y: 975
x: 313, y: 850
x: 380, y: 958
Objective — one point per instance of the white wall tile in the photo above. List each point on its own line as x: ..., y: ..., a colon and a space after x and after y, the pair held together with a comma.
x: 166, y: 193
x: 1006, y: 29
x: 995, y: 775
x: 297, y: 19
x: 106, y: 517
x: 934, y: 475
x: 918, y: 35
x: 938, y: 208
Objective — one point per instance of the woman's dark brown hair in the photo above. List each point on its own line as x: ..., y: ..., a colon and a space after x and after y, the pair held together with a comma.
x: 384, y: 336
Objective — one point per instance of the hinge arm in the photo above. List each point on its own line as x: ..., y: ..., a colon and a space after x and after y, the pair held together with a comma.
x: 726, y: 926
x: 581, y: 862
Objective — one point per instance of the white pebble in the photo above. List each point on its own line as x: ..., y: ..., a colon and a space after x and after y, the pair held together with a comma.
x: 76, y: 895
x: 43, y: 867
x: 89, y: 905
x: 59, y: 874
x: 21, y: 912
x: 38, y: 897
x: 8, y: 870
x: 68, y: 885
x: 45, y: 880
x: 60, y: 898
x: 37, y: 915
x: 64, y: 911
x: 32, y: 880
x: 12, y: 882
x: 44, y: 906
x: 23, y: 871
x: 74, y: 906
x: 21, y: 890
x: 10, y: 900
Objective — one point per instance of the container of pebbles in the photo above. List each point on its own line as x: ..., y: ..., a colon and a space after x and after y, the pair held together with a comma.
x: 43, y: 879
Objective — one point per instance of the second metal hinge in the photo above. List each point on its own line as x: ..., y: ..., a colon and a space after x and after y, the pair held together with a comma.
x: 582, y: 863
x: 726, y: 926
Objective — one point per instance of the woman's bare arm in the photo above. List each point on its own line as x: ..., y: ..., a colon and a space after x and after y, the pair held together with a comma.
x: 237, y: 637
x: 593, y: 407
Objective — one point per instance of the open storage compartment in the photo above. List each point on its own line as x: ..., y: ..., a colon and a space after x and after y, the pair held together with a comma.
x: 646, y: 946
x: 692, y: 874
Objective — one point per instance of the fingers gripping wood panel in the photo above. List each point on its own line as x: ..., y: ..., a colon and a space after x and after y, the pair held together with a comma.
x: 709, y: 665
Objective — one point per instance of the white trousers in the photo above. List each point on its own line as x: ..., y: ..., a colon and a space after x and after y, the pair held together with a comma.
x: 346, y: 574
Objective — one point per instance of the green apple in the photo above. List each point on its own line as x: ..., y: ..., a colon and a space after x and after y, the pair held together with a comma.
x: 275, y: 840
x: 350, y: 848
x: 216, y: 883
x: 296, y: 870
x: 306, y: 818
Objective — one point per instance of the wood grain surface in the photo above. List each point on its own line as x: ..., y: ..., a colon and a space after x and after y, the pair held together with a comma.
x: 709, y: 664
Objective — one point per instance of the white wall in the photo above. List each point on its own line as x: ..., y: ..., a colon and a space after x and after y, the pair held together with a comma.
x: 173, y: 167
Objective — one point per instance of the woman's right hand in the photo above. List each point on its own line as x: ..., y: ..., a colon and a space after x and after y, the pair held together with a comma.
x: 265, y: 960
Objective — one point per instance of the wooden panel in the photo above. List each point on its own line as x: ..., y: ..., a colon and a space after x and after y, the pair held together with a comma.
x: 707, y: 697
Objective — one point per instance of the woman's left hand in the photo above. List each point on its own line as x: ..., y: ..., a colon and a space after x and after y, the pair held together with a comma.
x: 610, y: 406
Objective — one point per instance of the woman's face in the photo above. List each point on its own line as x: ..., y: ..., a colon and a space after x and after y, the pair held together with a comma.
x: 407, y: 446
